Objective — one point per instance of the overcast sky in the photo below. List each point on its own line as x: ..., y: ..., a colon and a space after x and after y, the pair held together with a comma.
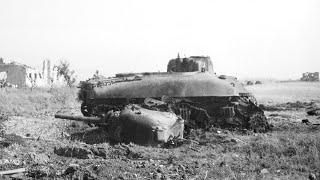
x: 271, y: 38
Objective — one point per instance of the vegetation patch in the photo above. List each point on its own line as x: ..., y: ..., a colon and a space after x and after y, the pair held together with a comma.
x: 38, y: 101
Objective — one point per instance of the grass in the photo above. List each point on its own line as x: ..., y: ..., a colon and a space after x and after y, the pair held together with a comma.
x: 39, y: 101
x: 278, y: 93
x: 292, y: 149
x: 285, y: 152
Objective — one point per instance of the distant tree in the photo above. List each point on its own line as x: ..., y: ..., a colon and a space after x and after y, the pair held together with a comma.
x: 96, y: 75
x: 63, y: 69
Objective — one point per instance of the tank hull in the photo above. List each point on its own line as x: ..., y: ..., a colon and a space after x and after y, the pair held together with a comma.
x: 201, y: 99
x: 193, y: 84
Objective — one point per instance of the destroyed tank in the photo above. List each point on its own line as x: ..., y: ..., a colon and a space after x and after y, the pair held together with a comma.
x: 161, y: 106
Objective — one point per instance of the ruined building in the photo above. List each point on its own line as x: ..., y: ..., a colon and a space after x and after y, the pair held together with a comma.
x: 308, y: 76
x: 20, y: 75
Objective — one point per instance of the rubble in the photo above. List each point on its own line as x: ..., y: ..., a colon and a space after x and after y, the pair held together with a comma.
x: 313, y: 111
x: 305, y: 121
x: 312, y: 176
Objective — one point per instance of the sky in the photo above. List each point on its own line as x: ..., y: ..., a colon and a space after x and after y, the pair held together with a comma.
x: 248, y: 38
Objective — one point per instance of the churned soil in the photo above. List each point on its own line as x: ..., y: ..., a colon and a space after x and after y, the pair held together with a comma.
x: 53, y: 148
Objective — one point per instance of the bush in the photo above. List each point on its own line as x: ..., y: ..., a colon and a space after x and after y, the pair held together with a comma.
x: 63, y: 70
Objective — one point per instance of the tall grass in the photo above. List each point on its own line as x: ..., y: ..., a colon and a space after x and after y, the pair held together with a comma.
x: 39, y: 101
x: 284, y: 151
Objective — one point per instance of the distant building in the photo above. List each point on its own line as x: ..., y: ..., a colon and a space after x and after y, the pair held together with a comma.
x: 308, y: 76
x: 21, y: 75
x: 50, y: 74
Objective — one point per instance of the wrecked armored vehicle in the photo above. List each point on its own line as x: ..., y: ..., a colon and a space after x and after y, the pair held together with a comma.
x: 158, y: 106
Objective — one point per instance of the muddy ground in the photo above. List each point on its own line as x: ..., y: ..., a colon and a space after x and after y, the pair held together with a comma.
x: 53, y: 148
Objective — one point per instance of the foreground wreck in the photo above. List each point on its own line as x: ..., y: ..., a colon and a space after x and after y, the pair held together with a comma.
x: 157, y: 107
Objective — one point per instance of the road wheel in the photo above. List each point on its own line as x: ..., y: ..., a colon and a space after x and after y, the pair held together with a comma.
x: 86, y: 110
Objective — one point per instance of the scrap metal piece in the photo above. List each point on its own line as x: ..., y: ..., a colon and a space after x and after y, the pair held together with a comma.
x: 14, y: 171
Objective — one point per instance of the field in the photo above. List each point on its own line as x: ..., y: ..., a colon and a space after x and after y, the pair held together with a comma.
x: 31, y: 138
x: 276, y: 93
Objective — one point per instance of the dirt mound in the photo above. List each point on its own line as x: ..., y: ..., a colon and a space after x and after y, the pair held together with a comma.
x: 81, y: 151
x: 95, y: 135
x: 75, y: 152
x: 7, y: 139
x: 40, y: 171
